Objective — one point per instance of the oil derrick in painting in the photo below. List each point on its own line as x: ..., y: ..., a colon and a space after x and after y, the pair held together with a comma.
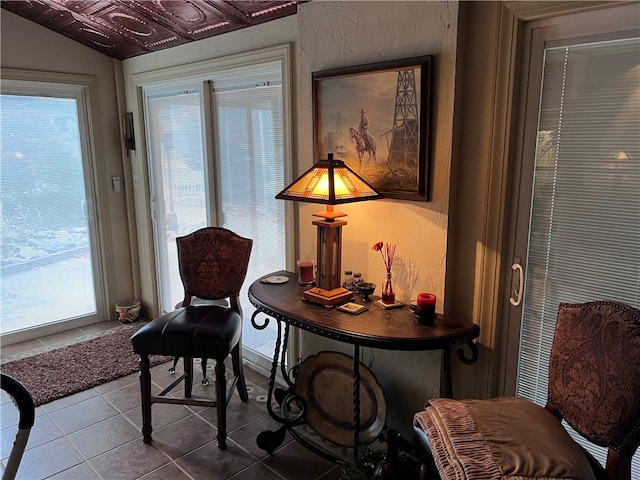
x: 340, y: 149
x: 403, y: 151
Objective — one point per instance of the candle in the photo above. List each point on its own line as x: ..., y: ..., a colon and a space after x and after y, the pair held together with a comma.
x: 426, y: 306
x: 306, y: 272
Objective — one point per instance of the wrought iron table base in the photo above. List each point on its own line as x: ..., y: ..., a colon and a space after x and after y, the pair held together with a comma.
x: 282, y: 303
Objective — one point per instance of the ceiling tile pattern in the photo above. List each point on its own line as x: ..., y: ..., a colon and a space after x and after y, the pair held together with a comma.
x: 127, y: 28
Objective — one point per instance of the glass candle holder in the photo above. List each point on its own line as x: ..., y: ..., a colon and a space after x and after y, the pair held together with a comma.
x: 306, y: 272
x: 426, y: 306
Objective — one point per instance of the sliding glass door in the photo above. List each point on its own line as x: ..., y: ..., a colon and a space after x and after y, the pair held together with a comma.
x: 250, y: 160
x: 216, y: 157
x: 178, y: 183
x: 48, y: 247
x: 577, y: 229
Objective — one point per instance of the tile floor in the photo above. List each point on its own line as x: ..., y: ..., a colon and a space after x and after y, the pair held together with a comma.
x: 95, y: 434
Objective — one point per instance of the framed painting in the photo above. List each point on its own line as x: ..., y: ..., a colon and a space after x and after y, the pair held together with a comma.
x: 375, y: 117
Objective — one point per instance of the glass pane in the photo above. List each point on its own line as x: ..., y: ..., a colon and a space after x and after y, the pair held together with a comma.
x: 585, y: 220
x: 251, y: 151
x: 46, y: 251
x: 180, y: 196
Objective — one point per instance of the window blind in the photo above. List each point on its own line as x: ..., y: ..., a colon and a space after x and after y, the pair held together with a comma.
x: 250, y: 150
x: 179, y: 189
x: 584, y: 235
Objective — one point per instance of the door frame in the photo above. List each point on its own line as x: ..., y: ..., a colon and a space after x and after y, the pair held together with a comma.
x: 84, y: 88
x: 139, y: 160
x: 156, y: 188
x: 485, y: 162
x: 603, y: 25
x: 217, y: 68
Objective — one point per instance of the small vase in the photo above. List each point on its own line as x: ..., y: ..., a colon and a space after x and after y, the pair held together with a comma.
x: 388, y: 293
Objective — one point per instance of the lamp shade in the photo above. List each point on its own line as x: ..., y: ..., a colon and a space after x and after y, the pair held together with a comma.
x: 329, y: 182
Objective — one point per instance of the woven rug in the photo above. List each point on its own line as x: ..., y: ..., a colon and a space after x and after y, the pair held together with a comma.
x: 61, y: 372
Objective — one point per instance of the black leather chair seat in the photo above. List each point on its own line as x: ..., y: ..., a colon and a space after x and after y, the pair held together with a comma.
x: 193, y: 332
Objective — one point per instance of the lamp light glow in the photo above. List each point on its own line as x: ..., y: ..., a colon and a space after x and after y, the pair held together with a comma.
x: 329, y: 182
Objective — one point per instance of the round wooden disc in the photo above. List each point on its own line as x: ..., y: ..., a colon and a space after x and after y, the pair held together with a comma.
x: 325, y: 381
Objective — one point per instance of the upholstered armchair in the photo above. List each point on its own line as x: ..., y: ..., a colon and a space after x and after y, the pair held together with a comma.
x: 594, y: 385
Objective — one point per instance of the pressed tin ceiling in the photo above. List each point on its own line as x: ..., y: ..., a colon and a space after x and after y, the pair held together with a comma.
x: 127, y: 28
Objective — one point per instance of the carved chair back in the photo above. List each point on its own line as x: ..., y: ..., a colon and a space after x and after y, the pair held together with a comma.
x: 213, y: 264
x: 594, y: 373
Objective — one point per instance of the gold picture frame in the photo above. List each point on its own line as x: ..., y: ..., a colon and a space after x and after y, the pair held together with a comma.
x: 376, y: 118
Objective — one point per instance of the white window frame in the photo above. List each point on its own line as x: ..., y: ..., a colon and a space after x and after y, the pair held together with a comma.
x: 172, y: 89
x: 81, y: 88
x: 220, y: 69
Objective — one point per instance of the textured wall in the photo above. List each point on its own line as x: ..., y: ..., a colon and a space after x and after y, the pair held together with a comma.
x: 341, y: 34
x: 276, y: 32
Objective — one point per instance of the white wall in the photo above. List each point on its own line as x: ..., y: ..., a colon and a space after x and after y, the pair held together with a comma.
x: 341, y: 34
x: 26, y: 45
x: 264, y: 35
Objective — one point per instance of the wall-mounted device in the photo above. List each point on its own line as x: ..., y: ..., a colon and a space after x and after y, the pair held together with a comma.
x: 129, y: 137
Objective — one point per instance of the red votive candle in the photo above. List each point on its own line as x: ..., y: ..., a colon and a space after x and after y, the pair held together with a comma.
x: 306, y: 272
x: 426, y: 306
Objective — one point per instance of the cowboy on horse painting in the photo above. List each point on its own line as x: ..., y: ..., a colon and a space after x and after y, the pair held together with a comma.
x: 365, y: 142
x: 364, y: 129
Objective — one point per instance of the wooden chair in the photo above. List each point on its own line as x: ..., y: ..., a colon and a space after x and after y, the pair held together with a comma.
x: 213, y: 264
x: 594, y: 385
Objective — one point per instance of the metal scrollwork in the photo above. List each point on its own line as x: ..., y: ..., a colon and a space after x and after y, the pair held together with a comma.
x: 255, y: 324
x: 285, y: 398
x: 274, y: 369
x: 291, y: 402
x: 289, y: 376
x: 288, y: 408
x: 474, y: 353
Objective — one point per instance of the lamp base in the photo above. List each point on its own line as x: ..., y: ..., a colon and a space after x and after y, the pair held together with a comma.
x: 328, y: 298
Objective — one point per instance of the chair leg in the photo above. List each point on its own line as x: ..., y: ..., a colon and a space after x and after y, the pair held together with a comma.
x: 203, y: 365
x: 172, y: 369
x: 424, y: 473
x: 145, y: 394
x: 221, y: 403
x: 188, y: 381
x: 238, y: 371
